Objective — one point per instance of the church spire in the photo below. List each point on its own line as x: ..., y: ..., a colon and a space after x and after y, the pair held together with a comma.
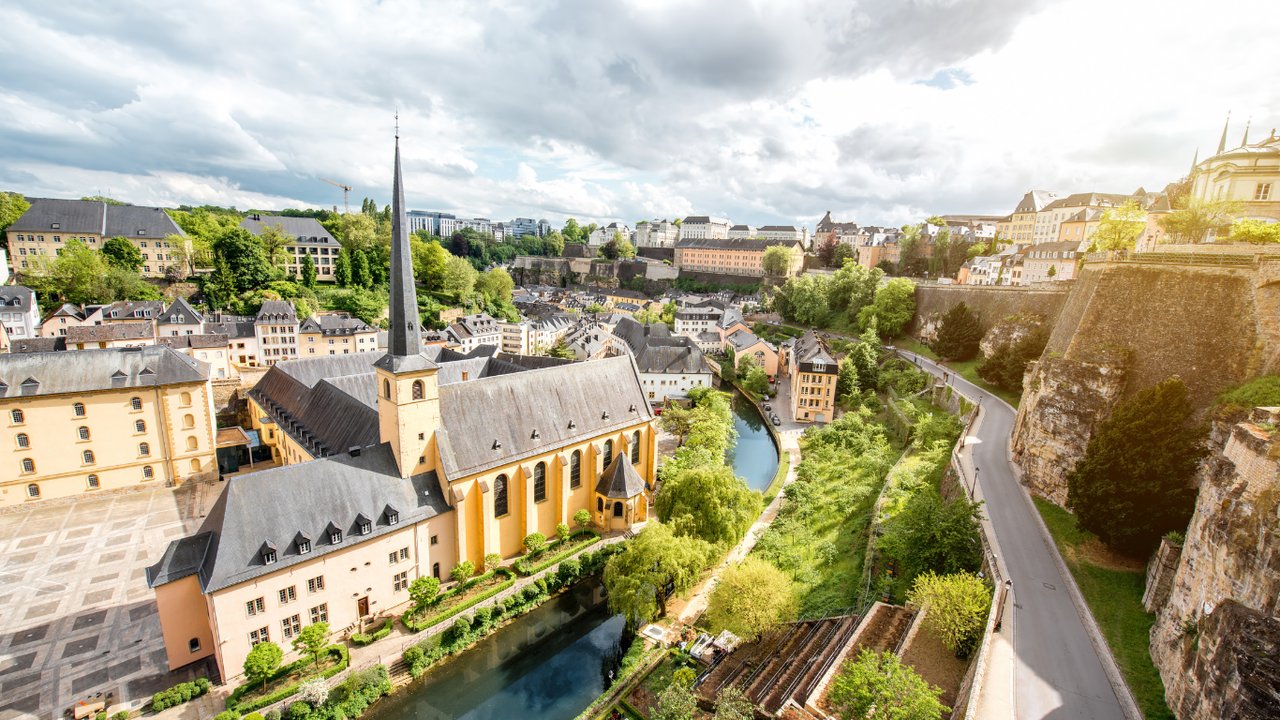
x: 1222, y: 144
x: 1195, y: 160
x: 1245, y: 142
x: 405, y: 336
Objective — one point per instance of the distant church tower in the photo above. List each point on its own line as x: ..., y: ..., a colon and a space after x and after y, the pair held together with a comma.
x: 408, y: 392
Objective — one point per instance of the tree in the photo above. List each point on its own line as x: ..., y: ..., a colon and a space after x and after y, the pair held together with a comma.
x: 496, y: 284
x: 932, y: 534
x: 676, y: 419
x: 263, y: 660
x: 852, y: 288
x: 1258, y: 232
x: 356, y: 231
x: 1198, y: 220
x: 710, y: 503
x: 893, y: 308
x: 618, y: 247
x: 534, y: 541
x: 246, y: 258
x: 877, y: 686
x: 103, y: 199
x: 826, y: 250
x: 733, y: 704
x: 342, y: 269
x: 364, y: 304
x: 563, y: 532
x: 755, y: 381
x: 1008, y: 361
x: 572, y: 233
x: 12, y: 207
x: 463, y: 571
x: 958, y: 334
x: 1119, y: 228
x: 561, y: 350
x: 274, y: 241
x: 308, y: 272
x: 865, y: 357
x: 459, y: 279
x: 423, y: 590
x: 311, y: 639
x: 956, y: 608
x: 751, y: 597
x: 847, y: 381
x: 429, y: 260
x: 777, y: 260
x: 654, y: 564
x: 360, y: 274
x: 676, y: 702
x: 119, y: 252
x: 582, y: 518
x: 1136, y: 480
x: 220, y: 285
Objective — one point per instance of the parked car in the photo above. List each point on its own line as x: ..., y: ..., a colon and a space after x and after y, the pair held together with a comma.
x: 767, y: 407
x: 776, y: 421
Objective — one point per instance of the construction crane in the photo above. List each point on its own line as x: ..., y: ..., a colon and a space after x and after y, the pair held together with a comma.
x: 346, y: 194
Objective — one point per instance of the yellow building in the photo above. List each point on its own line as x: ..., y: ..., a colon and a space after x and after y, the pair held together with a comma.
x: 48, y: 225
x: 335, y: 334
x: 1248, y: 175
x: 1079, y: 227
x: 80, y: 422
x: 813, y: 372
x: 398, y: 466
x: 733, y: 256
x: 1022, y: 222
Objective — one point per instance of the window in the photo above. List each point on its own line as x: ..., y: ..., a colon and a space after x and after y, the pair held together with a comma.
x: 335, y: 537
x: 435, y: 570
x: 608, y: 452
x: 320, y: 613
x: 83, y: 432
x: 540, y: 482
x: 386, y: 389
x: 288, y: 595
x: 635, y: 447
x: 599, y: 504
x: 29, y: 466
x: 315, y: 584
x: 87, y: 455
x: 185, y: 399
x: 93, y: 482
x: 304, y: 546
x: 366, y: 527
x: 193, y: 645
x: 78, y: 409
x: 144, y: 449
x: 192, y: 443
x: 418, y: 389
x: 23, y: 440
x: 188, y: 421
x: 255, y: 606
x: 147, y: 472
x: 290, y: 626
x: 401, y: 581
x: 139, y: 426
x: 33, y: 490
x: 575, y: 469
x: 258, y: 636
x: 1263, y: 192
x: 135, y: 403
x: 435, y: 540
x: 500, y: 496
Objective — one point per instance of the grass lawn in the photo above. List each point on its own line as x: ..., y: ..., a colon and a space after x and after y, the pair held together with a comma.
x: 784, y: 464
x: 1112, y: 587
x: 967, y: 369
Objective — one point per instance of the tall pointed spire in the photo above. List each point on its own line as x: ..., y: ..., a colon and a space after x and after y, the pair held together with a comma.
x: 1195, y: 160
x: 405, y: 336
x: 1222, y: 144
x: 1245, y: 140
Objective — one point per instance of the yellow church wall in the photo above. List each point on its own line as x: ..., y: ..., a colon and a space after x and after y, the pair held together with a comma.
x: 183, y: 619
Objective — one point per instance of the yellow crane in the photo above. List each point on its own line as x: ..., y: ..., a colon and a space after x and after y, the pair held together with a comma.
x: 346, y: 194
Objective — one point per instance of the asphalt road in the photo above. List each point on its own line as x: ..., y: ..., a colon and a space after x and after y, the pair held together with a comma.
x: 1058, y: 673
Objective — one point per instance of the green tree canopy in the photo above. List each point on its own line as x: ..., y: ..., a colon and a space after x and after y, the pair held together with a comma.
x: 956, y: 608
x: 617, y: 248
x: 1136, y: 480
x: 342, y: 269
x: 263, y: 660
x: 777, y: 260
x: 12, y: 206
x: 1258, y: 232
x: 852, y: 288
x: 364, y: 304
x: 423, y: 590
x: 733, y: 704
x: 1008, y: 361
x: 429, y: 261
x: 893, y: 308
x: 274, y: 241
x: 308, y: 271
x: 311, y: 640
x: 710, y: 503
x: 572, y: 233
x: 877, y: 686
x: 655, y: 561
x: 1119, y: 228
x: 119, y: 252
x: 933, y: 534
x: 496, y: 284
x: 361, y: 276
x: 1200, y: 218
x: 459, y: 279
x: 246, y: 258
x: 750, y: 598
x: 958, y: 334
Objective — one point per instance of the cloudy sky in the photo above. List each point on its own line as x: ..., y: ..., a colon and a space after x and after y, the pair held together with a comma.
x: 881, y: 111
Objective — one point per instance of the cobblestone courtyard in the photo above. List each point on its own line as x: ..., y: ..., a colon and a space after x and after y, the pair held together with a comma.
x: 78, y: 618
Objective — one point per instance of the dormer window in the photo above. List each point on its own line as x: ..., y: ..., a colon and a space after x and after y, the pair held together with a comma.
x: 393, y: 516
x: 268, y: 553
x: 335, y: 536
x: 364, y: 525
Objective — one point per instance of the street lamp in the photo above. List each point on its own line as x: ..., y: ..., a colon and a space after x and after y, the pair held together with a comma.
x: 972, y: 487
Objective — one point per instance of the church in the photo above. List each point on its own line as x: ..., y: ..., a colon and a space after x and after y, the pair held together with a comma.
x: 399, y: 465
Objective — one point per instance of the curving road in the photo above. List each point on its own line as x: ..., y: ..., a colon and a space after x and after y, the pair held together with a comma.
x: 1056, y: 670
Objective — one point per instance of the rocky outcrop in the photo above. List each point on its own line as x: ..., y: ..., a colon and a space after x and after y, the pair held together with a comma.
x: 1216, y: 640
x: 1009, y: 330
x: 989, y: 303
x: 1062, y: 402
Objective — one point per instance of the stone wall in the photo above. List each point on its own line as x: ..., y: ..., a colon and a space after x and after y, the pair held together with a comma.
x: 1125, y: 327
x: 989, y: 303
x: 565, y: 271
x: 1216, y: 640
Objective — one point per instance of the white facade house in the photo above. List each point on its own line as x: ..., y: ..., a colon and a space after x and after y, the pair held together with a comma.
x: 742, y: 231
x: 19, y: 312
x: 656, y: 234
x: 670, y: 365
x: 276, y: 330
x: 602, y: 235
x: 472, y: 331
x: 701, y: 227
x: 787, y: 233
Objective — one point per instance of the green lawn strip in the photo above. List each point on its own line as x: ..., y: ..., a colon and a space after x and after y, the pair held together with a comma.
x: 1115, y: 599
x: 967, y: 369
x: 911, y: 344
x: 576, y: 543
x: 286, y: 681
x: 780, y: 477
x: 456, y: 601
x: 639, y: 657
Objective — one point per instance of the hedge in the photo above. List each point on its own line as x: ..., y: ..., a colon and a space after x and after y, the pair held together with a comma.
x: 367, y: 638
x: 180, y: 693
x: 522, y: 565
x: 420, y: 625
x: 233, y: 701
x: 349, y: 698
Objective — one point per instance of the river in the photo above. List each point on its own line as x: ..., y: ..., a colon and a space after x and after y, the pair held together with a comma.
x: 546, y: 665
x: 754, y: 456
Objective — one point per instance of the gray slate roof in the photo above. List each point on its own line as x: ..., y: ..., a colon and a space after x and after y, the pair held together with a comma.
x: 620, y: 480
x: 136, y: 221
x: 743, y: 339
x: 38, y: 344
x: 755, y: 244
x: 810, y: 348
x: 180, y: 312
x: 334, y: 325
x: 303, y: 230
x: 656, y: 350
x: 138, y: 330
x: 276, y: 311
x: 203, y: 340
x: 251, y: 511
x: 17, y: 298
x: 39, y: 374
x: 90, y: 216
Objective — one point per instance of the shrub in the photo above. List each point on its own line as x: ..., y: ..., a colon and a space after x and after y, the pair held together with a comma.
x: 102, y: 715
x: 314, y: 691
x: 178, y: 694
x: 568, y: 570
x: 227, y: 715
x: 367, y: 638
x: 253, y: 716
x: 122, y: 715
x: 492, y: 560
x: 423, y: 590
x: 273, y: 714
x: 582, y: 518
x: 957, y: 608
x: 534, y: 541
x: 299, y: 711
x: 562, y: 531
x: 463, y: 571
x: 1008, y: 363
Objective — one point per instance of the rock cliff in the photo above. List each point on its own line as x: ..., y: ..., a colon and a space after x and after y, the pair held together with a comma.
x: 1216, y: 640
x: 989, y: 303
x: 1009, y: 330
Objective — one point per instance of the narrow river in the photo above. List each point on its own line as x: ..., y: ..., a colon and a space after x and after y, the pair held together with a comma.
x: 754, y: 457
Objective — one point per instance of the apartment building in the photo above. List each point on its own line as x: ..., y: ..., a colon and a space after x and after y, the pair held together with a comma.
x: 335, y: 334
x: 49, y: 224
x: 703, y: 227
x: 741, y: 257
x: 275, y: 328
x: 656, y: 234
x: 813, y: 370
x: 308, y: 238
x: 19, y: 312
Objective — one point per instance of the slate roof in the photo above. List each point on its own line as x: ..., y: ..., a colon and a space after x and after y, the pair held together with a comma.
x: 233, y: 326
x: 620, y: 481
x: 136, y: 221
x: 203, y: 340
x: 71, y: 216
x: 1034, y: 201
x: 334, y: 325
x: 303, y: 230
x: 140, y: 330
x: 16, y: 297
x: 276, y: 311
x: 132, y: 309
x: 40, y: 374
x: 746, y: 244
x: 274, y: 506
x: 810, y: 348
x: 656, y: 350
x: 180, y: 308
x: 743, y: 339
x: 38, y: 344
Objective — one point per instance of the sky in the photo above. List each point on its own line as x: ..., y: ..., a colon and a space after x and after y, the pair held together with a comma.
x: 762, y: 111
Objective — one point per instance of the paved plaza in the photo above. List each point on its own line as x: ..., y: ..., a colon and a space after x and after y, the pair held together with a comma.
x: 76, y: 616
